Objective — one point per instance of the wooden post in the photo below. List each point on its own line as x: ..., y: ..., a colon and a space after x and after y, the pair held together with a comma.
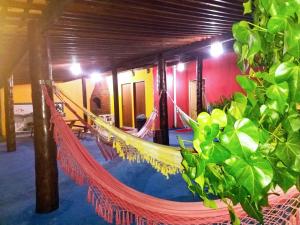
x: 46, y: 177
x: 116, y: 97
x: 9, y: 115
x: 84, y: 100
x: 163, y: 102
x: 199, y: 84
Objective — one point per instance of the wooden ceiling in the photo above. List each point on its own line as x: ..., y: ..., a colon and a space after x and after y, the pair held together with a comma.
x: 113, y: 33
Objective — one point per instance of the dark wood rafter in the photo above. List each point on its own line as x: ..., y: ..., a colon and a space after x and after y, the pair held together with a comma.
x: 46, y: 171
x: 9, y: 115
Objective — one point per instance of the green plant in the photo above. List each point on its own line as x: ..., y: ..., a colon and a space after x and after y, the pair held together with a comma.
x: 221, y: 103
x: 242, y: 153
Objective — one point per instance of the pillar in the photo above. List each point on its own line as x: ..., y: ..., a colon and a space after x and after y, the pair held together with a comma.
x: 199, y: 84
x: 84, y: 99
x: 116, y: 97
x: 9, y: 115
x: 163, y: 103
x: 46, y: 174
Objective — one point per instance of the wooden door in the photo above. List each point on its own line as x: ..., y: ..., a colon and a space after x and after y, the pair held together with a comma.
x: 139, y: 98
x: 193, y: 99
x: 126, y: 105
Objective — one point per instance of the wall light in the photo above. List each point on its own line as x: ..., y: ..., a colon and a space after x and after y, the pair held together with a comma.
x: 216, y: 49
x: 180, y: 67
x: 96, y: 77
x: 75, y: 69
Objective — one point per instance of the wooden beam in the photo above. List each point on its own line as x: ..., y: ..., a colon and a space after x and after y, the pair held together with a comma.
x: 163, y: 103
x: 199, y: 84
x: 195, y: 48
x: 9, y: 116
x: 46, y: 171
x: 116, y: 97
x: 50, y: 15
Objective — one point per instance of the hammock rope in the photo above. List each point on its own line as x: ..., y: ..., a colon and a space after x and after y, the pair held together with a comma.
x: 103, y: 144
x: 165, y: 159
x: 122, y: 205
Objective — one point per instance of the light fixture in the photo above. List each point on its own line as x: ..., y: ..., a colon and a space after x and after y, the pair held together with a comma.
x: 180, y: 67
x: 216, y: 49
x: 96, y: 77
x: 75, y: 69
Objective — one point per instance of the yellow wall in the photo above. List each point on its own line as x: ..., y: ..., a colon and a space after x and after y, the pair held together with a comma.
x: 73, y: 90
x: 128, y: 77
x: 2, y: 112
x: 22, y: 94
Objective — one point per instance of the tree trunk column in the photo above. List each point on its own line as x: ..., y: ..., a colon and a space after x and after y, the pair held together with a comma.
x: 199, y: 84
x: 47, y: 198
x: 9, y: 115
x: 163, y: 103
x: 116, y: 97
x: 84, y: 100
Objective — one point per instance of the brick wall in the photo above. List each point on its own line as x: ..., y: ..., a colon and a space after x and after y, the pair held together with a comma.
x: 102, y: 104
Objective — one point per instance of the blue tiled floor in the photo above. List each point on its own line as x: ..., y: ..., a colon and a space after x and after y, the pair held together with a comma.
x: 17, y: 187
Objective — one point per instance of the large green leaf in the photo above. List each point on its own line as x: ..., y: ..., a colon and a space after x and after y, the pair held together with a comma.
x: 215, y: 151
x: 284, y: 178
x: 293, y: 122
x: 241, y: 32
x: 204, y: 119
x: 284, y: 71
x: 238, y: 106
x: 246, y: 83
x: 242, y: 139
x: 254, y: 175
x: 289, y: 152
x: 294, y: 84
x: 254, y: 44
x: 276, y: 24
x: 252, y: 209
x: 247, y: 7
x: 219, y: 117
x: 278, y: 106
x: 292, y: 40
x: 279, y: 92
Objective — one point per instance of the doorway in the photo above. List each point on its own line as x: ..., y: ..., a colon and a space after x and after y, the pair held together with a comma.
x: 126, y: 105
x: 139, y: 99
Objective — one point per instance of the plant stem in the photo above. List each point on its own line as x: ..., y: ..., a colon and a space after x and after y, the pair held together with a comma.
x: 261, y: 28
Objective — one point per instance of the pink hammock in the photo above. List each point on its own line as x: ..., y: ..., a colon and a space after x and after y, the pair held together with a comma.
x: 122, y: 205
x: 105, y: 147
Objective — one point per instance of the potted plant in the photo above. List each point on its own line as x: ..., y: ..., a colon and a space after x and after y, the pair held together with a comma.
x: 245, y: 151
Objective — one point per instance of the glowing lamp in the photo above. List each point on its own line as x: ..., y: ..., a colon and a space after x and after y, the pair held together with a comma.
x: 216, y: 49
x: 180, y: 67
x: 75, y: 69
x: 96, y: 77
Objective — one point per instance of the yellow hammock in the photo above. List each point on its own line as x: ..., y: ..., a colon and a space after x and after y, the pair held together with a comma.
x: 165, y: 159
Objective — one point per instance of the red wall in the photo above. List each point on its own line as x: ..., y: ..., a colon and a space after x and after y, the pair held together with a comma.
x: 219, y: 74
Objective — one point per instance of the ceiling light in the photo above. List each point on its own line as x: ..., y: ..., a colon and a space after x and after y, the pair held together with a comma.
x: 75, y: 69
x: 96, y: 77
x: 180, y: 67
x: 216, y: 49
